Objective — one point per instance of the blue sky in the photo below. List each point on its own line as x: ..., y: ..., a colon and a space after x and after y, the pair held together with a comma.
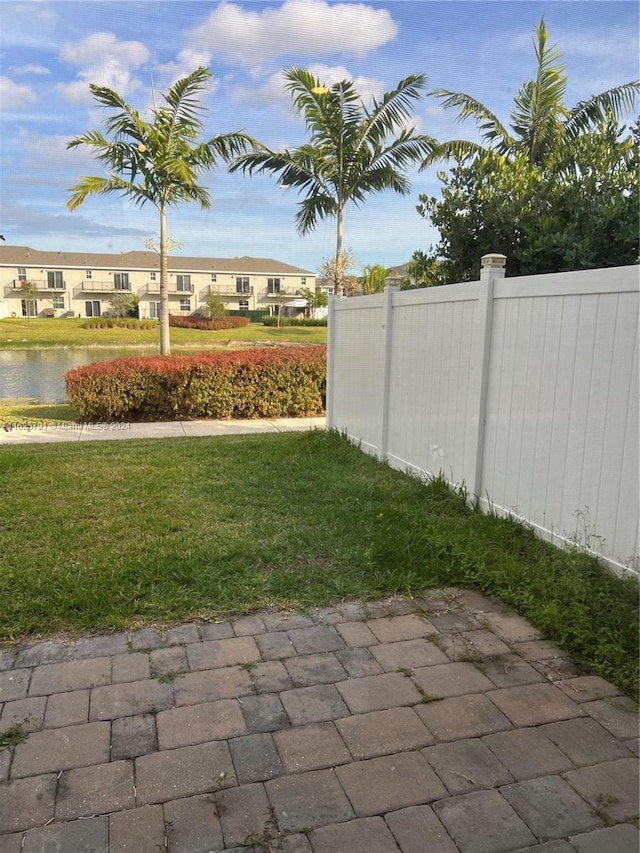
x: 51, y: 51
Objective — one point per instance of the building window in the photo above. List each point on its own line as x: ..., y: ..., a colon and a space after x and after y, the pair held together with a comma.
x: 183, y: 283
x: 242, y: 284
x: 92, y: 308
x: 54, y: 280
x: 154, y: 310
x: 29, y: 308
x: 185, y: 305
x: 243, y: 305
x: 22, y: 274
x: 329, y: 291
x: 88, y: 274
x: 303, y: 281
x: 152, y: 276
x: 58, y: 302
x: 273, y: 285
x: 214, y: 276
x: 121, y: 281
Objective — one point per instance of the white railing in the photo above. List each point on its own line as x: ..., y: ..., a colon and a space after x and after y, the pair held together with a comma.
x: 524, y: 390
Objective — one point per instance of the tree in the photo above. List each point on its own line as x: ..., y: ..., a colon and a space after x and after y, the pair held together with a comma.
x: 544, y: 129
x: 337, y: 271
x: 29, y: 291
x: 373, y: 278
x: 158, y: 161
x: 423, y: 270
x: 353, y: 150
x: 584, y: 220
x: 124, y: 304
x: 214, y: 305
x: 315, y: 299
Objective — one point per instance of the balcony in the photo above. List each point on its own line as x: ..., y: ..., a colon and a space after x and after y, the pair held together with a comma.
x: 152, y: 288
x: 42, y: 285
x: 227, y: 290
x: 92, y: 286
x: 287, y: 292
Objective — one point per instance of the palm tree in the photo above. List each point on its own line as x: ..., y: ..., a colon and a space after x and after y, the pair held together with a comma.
x: 353, y: 150
x: 542, y: 127
x: 373, y: 278
x: 157, y: 162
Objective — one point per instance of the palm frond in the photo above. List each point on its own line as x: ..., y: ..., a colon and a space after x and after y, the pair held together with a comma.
x: 587, y: 115
x: 456, y: 149
x: 491, y: 129
x: 393, y: 111
x: 87, y: 186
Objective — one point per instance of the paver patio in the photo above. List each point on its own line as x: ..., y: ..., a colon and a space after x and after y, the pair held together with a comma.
x: 443, y: 724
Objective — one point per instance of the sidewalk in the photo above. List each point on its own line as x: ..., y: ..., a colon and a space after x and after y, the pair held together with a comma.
x: 442, y: 724
x: 42, y: 433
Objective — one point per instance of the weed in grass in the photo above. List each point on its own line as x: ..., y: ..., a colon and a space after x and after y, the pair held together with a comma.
x: 426, y: 698
x: 167, y: 677
x: 248, y: 666
x: 601, y: 808
x: 12, y: 736
x: 407, y: 672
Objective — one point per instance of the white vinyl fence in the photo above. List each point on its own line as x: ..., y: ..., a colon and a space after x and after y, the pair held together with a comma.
x: 524, y: 390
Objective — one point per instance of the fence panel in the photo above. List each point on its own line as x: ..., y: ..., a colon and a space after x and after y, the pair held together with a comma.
x: 525, y: 390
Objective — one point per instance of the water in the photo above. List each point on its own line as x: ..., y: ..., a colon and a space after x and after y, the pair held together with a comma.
x: 38, y: 374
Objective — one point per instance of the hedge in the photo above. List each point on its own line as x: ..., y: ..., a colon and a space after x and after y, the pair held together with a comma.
x: 293, y: 321
x: 209, y: 323
x: 258, y: 383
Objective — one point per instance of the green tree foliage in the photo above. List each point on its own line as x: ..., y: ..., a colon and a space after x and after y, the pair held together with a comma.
x: 423, y: 270
x: 158, y: 161
x: 29, y: 290
x: 214, y: 306
x: 373, y: 278
x: 353, y: 150
x: 124, y: 304
x: 585, y: 220
x: 558, y: 191
x: 316, y: 299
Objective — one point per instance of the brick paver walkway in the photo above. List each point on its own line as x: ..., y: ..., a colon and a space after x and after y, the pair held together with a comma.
x: 433, y: 725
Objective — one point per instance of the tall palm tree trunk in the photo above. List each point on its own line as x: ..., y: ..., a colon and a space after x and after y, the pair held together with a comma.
x: 165, y: 346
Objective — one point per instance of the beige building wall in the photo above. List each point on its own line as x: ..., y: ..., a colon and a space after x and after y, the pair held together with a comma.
x: 68, y: 288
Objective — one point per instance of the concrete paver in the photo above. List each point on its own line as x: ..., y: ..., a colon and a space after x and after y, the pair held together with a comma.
x: 443, y: 723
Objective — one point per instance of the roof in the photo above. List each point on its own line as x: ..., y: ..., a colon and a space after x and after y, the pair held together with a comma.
x: 23, y: 256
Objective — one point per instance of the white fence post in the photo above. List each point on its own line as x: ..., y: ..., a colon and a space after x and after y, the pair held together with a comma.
x: 492, y: 268
x: 387, y: 320
x: 331, y: 362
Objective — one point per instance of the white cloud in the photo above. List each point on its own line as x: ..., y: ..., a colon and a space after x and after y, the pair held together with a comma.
x: 298, y: 27
x: 13, y: 95
x: 105, y: 61
x: 39, y: 70
x: 275, y: 92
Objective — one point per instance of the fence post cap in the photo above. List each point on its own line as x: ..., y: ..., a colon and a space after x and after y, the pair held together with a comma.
x: 493, y: 261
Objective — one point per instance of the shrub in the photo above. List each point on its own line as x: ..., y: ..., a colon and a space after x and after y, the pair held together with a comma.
x: 259, y: 383
x: 294, y: 321
x: 209, y: 323
x: 118, y: 323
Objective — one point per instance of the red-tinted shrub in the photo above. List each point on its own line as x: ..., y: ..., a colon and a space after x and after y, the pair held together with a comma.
x: 259, y: 383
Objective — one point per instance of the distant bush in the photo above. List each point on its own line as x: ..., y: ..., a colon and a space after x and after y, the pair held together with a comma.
x: 118, y: 323
x: 294, y: 321
x: 259, y: 383
x: 209, y: 323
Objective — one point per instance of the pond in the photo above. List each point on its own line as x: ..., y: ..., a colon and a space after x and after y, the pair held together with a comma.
x: 38, y: 374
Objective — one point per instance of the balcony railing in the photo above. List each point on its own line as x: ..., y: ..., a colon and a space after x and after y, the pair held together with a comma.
x: 152, y: 288
x: 93, y: 286
x: 225, y: 290
x: 41, y: 284
x: 283, y: 291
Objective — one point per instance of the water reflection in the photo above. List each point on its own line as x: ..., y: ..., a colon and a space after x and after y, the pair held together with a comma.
x: 38, y: 374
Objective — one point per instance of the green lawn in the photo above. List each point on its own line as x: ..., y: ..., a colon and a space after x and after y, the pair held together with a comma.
x: 16, y: 333
x: 110, y: 535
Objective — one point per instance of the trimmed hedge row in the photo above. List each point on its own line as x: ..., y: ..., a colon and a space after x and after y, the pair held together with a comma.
x: 294, y: 321
x: 209, y: 323
x: 258, y: 383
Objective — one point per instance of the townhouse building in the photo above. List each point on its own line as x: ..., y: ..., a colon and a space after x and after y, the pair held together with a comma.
x: 81, y: 284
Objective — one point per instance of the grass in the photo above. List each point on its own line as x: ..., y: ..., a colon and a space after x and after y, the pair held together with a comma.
x: 21, y: 413
x: 16, y: 333
x: 112, y: 535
